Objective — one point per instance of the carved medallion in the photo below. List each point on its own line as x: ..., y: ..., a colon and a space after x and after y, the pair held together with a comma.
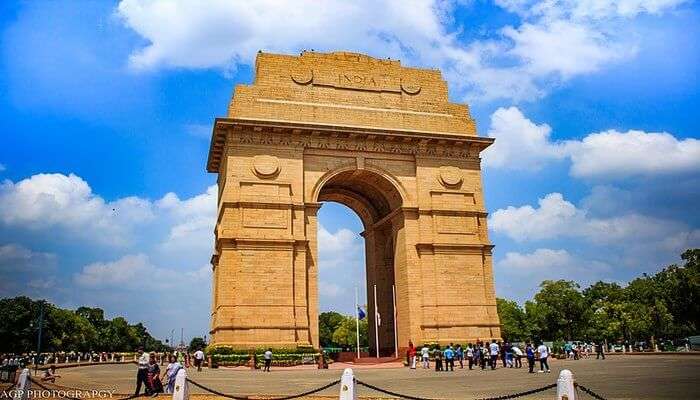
x: 302, y: 76
x: 450, y: 176
x: 410, y: 87
x: 266, y: 167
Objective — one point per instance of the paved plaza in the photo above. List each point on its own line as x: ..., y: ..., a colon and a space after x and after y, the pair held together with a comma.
x: 618, y: 377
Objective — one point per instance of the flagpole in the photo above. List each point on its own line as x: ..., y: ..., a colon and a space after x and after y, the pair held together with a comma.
x: 357, y: 323
x: 376, y: 320
x: 396, y: 338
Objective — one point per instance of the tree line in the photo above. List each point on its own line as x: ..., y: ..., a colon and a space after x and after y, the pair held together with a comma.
x: 81, y: 330
x: 665, y: 305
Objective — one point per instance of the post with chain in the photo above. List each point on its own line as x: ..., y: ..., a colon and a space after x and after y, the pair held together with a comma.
x: 565, y: 386
x: 24, y: 384
x: 181, y: 391
x: 348, y: 391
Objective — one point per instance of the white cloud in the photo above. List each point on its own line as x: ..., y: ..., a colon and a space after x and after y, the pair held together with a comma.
x: 525, y: 145
x: 192, y: 219
x: 342, y: 249
x: 558, y: 218
x: 2, y: 167
x: 587, y: 9
x: 45, y: 201
x: 520, y: 143
x: 55, y: 200
x: 555, y: 42
x: 136, y: 272
x: 563, y: 48
x: 519, y: 274
x: 621, y: 154
x: 330, y: 290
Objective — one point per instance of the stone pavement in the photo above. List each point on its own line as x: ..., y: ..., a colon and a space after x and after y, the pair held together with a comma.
x: 622, y: 377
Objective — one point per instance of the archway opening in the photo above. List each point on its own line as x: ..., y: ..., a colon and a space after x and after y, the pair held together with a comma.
x: 373, y: 198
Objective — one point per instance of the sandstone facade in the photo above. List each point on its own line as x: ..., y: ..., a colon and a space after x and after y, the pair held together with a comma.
x: 382, y: 139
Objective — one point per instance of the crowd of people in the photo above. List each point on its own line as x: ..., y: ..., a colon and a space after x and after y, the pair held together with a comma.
x: 484, y: 355
x: 149, y: 375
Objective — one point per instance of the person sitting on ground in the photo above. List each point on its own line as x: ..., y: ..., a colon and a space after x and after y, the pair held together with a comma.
x: 50, y: 375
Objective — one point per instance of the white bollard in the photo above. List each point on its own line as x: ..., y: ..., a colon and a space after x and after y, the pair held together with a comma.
x: 24, y: 385
x: 182, y: 389
x: 347, y: 385
x: 565, y: 386
x: 656, y: 348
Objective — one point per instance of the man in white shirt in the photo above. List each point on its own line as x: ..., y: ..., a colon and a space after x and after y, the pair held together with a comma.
x: 142, y: 372
x: 493, y: 351
x: 543, y: 355
x: 425, y: 356
x: 198, y: 359
x: 268, y: 359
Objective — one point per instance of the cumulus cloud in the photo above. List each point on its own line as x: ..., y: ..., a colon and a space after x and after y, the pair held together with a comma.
x: 519, y: 274
x: 620, y: 154
x: 67, y: 201
x: 192, y: 219
x: 554, y: 43
x: 526, y: 145
x: 521, y: 143
x: 136, y: 272
x: 556, y: 218
x: 342, y: 249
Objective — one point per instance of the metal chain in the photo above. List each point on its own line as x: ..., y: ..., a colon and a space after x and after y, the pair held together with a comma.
x: 294, y: 396
x: 521, y: 394
x: 390, y: 393
x: 589, y: 392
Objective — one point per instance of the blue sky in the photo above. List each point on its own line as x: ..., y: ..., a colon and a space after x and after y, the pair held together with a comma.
x: 106, y: 110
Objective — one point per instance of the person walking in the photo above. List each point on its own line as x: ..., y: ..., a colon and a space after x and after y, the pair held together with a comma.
x: 438, y: 358
x: 530, y: 353
x: 502, y: 348
x: 425, y: 356
x: 485, y: 357
x: 459, y: 354
x: 470, y: 356
x: 268, y: 360
x: 142, y: 372
x: 198, y: 359
x: 543, y: 352
x: 494, y: 350
x: 599, y: 350
x: 508, y: 350
x: 449, y: 359
x: 411, y: 352
x: 155, y: 385
x: 170, y: 373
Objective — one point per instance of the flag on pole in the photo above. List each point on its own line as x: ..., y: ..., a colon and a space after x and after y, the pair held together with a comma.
x: 360, y: 313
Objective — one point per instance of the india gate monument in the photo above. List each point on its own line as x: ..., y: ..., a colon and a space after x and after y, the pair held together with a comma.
x: 380, y: 138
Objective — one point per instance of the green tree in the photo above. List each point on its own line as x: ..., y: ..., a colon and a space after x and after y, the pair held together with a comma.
x: 562, y: 309
x: 328, y: 322
x: 514, y: 323
x: 345, y: 335
x: 197, y: 343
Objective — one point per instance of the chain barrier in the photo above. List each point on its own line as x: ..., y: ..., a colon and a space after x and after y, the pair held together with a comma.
x: 234, y: 397
x: 390, y: 393
x: 504, y: 397
x: 589, y: 392
x: 520, y: 394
